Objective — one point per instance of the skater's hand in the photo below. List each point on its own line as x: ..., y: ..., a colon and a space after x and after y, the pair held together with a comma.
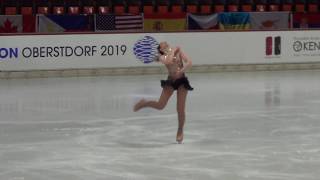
x: 176, y: 51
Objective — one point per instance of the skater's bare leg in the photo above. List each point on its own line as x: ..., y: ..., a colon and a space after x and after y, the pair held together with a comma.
x: 181, y: 104
x: 160, y: 104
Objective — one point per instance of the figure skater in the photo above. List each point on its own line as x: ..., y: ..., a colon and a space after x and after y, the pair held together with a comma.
x: 176, y: 63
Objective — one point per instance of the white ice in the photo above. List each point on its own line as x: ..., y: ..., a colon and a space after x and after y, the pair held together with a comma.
x: 256, y: 126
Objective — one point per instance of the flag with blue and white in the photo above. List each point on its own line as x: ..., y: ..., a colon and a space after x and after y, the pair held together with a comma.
x: 64, y: 23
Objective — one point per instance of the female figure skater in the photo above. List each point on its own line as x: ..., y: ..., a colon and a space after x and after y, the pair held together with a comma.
x: 177, y: 63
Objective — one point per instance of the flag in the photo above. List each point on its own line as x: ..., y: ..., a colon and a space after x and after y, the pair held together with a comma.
x: 269, y: 20
x: 65, y: 23
x: 110, y: 22
x: 10, y: 23
x: 303, y: 20
x: 17, y: 23
x: 29, y: 23
x: 165, y: 22
x: 203, y: 21
x: 234, y: 21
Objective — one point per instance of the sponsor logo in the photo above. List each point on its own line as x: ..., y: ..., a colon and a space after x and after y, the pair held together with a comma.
x: 273, y: 46
x: 146, y: 49
x: 8, y: 53
x: 306, y: 46
x: 299, y: 46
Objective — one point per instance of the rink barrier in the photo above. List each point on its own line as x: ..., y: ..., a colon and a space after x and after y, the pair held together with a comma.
x: 157, y: 70
x: 71, y: 55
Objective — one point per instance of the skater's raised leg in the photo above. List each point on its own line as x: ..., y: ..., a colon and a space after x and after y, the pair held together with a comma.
x: 160, y: 104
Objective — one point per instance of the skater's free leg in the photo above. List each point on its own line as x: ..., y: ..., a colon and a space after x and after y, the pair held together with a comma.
x: 160, y: 104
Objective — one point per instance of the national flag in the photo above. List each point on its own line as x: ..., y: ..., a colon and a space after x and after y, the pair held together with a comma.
x: 269, y: 20
x: 110, y: 22
x: 29, y: 23
x: 65, y: 23
x: 17, y: 23
x: 203, y: 21
x: 165, y: 22
x: 234, y: 21
x: 303, y: 20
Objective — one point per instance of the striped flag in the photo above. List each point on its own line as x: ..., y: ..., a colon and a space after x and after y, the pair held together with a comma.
x: 165, y: 22
x: 110, y: 22
x: 234, y: 20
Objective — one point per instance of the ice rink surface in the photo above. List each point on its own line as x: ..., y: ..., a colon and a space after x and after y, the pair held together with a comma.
x: 256, y: 126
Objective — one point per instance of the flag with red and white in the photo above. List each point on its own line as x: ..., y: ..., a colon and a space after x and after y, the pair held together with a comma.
x: 17, y: 23
x: 110, y: 22
x: 270, y: 20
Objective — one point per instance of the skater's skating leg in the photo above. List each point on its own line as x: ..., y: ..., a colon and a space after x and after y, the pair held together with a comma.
x: 181, y: 104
